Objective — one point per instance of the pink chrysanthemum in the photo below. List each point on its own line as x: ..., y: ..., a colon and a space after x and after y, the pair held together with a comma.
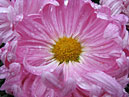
x: 74, y: 49
x: 13, y: 11
x: 117, y: 6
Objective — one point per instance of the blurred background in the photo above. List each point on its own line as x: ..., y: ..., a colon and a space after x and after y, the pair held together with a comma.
x: 3, y: 94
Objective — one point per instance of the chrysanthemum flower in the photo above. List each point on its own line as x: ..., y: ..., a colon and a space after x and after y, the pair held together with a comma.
x: 117, y: 6
x: 74, y: 49
x: 10, y: 13
x: 13, y: 11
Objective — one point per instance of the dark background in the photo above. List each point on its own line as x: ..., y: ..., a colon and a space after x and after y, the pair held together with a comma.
x: 3, y: 94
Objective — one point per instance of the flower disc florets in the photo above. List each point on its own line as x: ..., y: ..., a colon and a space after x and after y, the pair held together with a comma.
x: 67, y: 49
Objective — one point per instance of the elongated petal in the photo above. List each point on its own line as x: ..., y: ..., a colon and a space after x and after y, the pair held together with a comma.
x: 69, y: 87
x: 106, y: 82
x: 50, y: 80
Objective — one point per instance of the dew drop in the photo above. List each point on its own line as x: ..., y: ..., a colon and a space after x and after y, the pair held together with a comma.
x: 66, y: 2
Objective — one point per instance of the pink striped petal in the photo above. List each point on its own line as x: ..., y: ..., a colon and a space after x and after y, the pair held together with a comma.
x: 105, y: 81
x: 50, y: 80
x: 69, y: 87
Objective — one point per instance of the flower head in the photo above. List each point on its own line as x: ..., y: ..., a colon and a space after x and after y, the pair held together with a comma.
x: 12, y: 12
x: 117, y: 6
x: 74, y: 49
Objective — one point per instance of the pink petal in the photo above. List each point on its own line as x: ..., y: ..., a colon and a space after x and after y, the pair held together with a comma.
x: 115, y: 5
x: 111, y: 28
x: 69, y: 87
x: 59, y: 73
x: 38, y: 70
x: 105, y: 81
x: 3, y: 72
x: 51, y: 81
x: 38, y: 88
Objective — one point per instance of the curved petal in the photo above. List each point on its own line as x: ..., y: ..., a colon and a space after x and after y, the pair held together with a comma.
x: 3, y: 72
x: 69, y: 87
x: 115, y: 5
x: 38, y: 88
x: 105, y: 81
x: 38, y: 70
x: 50, y: 80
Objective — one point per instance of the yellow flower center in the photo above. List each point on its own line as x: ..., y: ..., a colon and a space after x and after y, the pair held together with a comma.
x: 67, y: 49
